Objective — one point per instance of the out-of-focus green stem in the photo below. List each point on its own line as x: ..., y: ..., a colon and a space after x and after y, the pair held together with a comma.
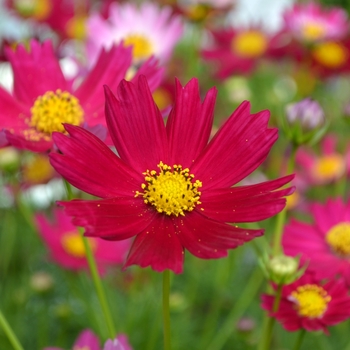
x: 281, y: 217
x: 166, y: 310
x: 299, y: 339
x: 10, y: 334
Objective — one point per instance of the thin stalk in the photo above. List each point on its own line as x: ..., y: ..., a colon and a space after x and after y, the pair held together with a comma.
x: 9, y: 332
x: 299, y: 340
x: 265, y: 342
x: 166, y: 310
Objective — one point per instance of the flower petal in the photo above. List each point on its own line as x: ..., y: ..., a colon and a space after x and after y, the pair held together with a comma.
x: 114, y: 219
x: 88, y: 164
x: 209, y: 239
x: 236, y: 150
x: 29, y: 139
x: 136, y: 126
x: 157, y: 246
x: 190, y: 122
x: 245, y: 203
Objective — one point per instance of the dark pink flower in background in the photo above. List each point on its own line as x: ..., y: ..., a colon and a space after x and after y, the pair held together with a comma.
x: 66, y: 247
x: 310, y: 304
x: 168, y: 187
x: 43, y: 98
x: 325, y: 242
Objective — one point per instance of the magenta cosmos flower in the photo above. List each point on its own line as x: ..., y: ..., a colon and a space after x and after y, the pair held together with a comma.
x: 324, y: 243
x: 311, y: 305
x: 67, y: 248
x: 150, y: 29
x: 312, y: 23
x: 167, y: 186
x: 43, y: 98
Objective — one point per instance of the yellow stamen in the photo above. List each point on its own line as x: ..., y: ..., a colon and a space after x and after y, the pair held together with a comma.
x: 171, y: 191
x: 329, y: 167
x: 54, y: 108
x: 249, y: 44
x: 313, y: 31
x: 76, y: 27
x: 142, y: 47
x: 38, y: 170
x: 37, y: 9
x: 311, y: 300
x: 73, y: 244
x: 331, y: 54
x: 338, y: 237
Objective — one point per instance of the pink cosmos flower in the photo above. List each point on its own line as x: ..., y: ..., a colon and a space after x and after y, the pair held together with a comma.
x: 310, y: 304
x: 66, y: 245
x: 43, y: 98
x: 311, y: 23
x: 168, y: 186
x: 89, y: 341
x: 325, y: 242
x: 149, y: 29
x: 236, y: 51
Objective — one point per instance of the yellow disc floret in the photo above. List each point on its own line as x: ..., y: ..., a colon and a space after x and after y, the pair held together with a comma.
x: 54, y: 108
x: 312, y: 31
x: 171, y: 191
x: 73, y: 244
x: 329, y: 167
x: 311, y: 300
x: 249, y: 44
x: 331, y: 54
x: 338, y: 237
x: 142, y: 47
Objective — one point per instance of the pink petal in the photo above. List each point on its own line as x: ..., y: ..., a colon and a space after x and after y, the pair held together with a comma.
x: 39, y: 142
x: 190, y: 122
x: 88, y: 164
x: 236, y: 150
x: 158, y: 246
x: 136, y: 126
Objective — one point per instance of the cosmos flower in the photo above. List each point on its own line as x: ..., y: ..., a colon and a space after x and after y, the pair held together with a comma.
x: 311, y: 23
x: 236, y: 50
x: 325, y: 242
x: 149, y: 29
x: 169, y: 187
x: 311, y: 305
x: 66, y: 245
x: 43, y: 98
x: 89, y: 341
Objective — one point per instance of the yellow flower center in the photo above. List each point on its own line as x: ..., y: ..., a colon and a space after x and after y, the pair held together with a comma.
x: 76, y: 28
x: 338, y: 237
x: 162, y: 98
x: 249, y: 44
x: 38, y: 170
x: 73, y: 244
x: 331, y: 54
x: 197, y: 12
x: 313, y: 31
x: 38, y: 9
x: 311, y: 300
x: 329, y: 167
x: 54, y: 108
x: 171, y: 191
x: 142, y: 47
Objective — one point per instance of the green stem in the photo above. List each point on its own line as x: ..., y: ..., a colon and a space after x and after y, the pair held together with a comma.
x: 166, y: 310
x: 281, y: 217
x: 265, y: 342
x: 243, y: 302
x: 95, y: 276
x: 299, y: 339
x: 8, y: 331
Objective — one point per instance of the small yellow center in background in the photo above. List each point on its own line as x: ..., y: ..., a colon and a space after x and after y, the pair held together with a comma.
x: 329, y: 167
x: 38, y: 170
x: 38, y: 9
x: 76, y: 27
x: 311, y: 300
x: 331, y: 54
x: 142, y: 47
x: 249, y: 44
x: 338, y: 237
x: 54, y: 108
x: 313, y: 31
x: 171, y: 191
x: 73, y: 244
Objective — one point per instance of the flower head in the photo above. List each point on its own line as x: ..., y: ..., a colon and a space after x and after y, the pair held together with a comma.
x: 324, y: 243
x: 311, y: 305
x: 43, y: 98
x: 168, y: 186
x: 149, y: 29
x: 67, y: 248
